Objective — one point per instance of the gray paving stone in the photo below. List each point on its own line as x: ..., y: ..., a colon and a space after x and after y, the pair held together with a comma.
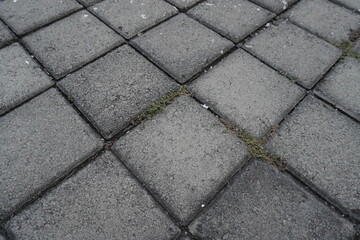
x: 247, y: 92
x: 326, y: 19
x: 70, y: 43
x: 5, y: 34
x: 39, y: 141
x: 182, y: 46
x: 184, y: 4
x: 295, y: 52
x: 342, y: 86
x: 21, y: 77
x: 262, y: 203
x: 321, y: 145
x: 234, y: 19
x: 115, y: 89
x: 276, y: 6
x: 183, y: 156
x: 354, y: 4
x: 90, y: 2
x: 23, y: 16
x: 356, y: 47
x: 132, y: 17
x: 102, y: 201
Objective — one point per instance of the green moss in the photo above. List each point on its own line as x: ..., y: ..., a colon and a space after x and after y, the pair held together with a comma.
x: 255, y: 146
x: 346, y: 47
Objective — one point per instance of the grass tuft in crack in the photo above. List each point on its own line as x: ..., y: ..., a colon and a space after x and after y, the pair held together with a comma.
x: 160, y: 105
x: 255, y: 146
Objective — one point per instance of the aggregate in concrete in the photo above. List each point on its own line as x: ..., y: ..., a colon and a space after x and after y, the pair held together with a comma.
x: 184, y: 4
x: 183, y: 155
x: 132, y: 17
x: 299, y: 54
x: 276, y: 6
x: 342, y: 86
x: 233, y: 19
x: 247, y: 92
x: 262, y: 203
x: 353, y: 4
x: 21, y: 77
x: 71, y: 42
x: 24, y: 16
x: 39, y: 141
x: 321, y: 146
x: 102, y: 201
x: 115, y: 89
x: 5, y: 34
x: 182, y: 46
x: 326, y: 19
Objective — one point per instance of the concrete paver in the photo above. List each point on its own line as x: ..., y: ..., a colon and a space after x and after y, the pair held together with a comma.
x: 183, y: 156
x: 70, y: 43
x: 354, y: 4
x: 5, y: 35
x: 21, y: 77
x: 291, y: 50
x: 115, y: 89
x: 39, y: 142
x: 184, y: 4
x: 276, y: 6
x: 182, y: 46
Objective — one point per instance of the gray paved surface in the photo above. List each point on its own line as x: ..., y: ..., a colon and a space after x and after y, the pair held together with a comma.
x: 196, y: 162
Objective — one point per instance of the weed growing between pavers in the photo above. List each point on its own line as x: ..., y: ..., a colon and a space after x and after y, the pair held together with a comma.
x: 160, y: 105
x: 346, y: 47
x: 255, y: 146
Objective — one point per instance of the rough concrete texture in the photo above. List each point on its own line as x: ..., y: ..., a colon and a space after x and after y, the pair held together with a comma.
x: 342, y: 86
x: 21, y: 77
x: 39, y: 141
x: 23, y: 15
x: 276, y: 6
x: 184, y: 4
x: 262, y: 203
x: 356, y: 47
x: 326, y: 19
x: 90, y: 2
x: 301, y: 55
x: 234, y: 19
x: 102, y: 201
x: 5, y: 35
x: 71, y: 42
x: 115, y: 89
x: 353, y: 4
x: 132, y: 17
x: 322, y: 146
x: 247, y: 93
x: 183, y: 156
x: 182, y: 46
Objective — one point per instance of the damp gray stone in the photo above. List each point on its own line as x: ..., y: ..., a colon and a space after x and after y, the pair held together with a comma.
x: 101, y: 201
x: 301, y: 55
x: 117, y: 88
x: 21, y: 77
x: 39, y: 142
x: 182, y: 46
x: 263, y: 203
x: 71, y: 42
x: 183, y: 156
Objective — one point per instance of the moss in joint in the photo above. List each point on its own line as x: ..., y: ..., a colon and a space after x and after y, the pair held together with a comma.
x: 255, y: 146
x: 346, y: 47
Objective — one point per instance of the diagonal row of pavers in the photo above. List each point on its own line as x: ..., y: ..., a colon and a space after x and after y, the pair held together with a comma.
x: 184, y: 156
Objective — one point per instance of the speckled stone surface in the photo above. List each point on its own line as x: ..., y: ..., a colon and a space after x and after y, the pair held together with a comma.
x: 276, y: 6
x: 5, y: 35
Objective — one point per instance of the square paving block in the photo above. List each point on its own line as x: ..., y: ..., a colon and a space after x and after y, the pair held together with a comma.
x: 184, y: 4
x: 356, y: 47
x: 101, y: 201
x: 321, y: 145
x: 299, y: 54
x: 263, y: 203
x: 21, y: 77
x: 134, y: 16
x: 24, y: 16
x: 354, y: 4
x: 39, y: 142
x: 342, y: 86
x: 247, y: 92
x: 182, y: 46
x: 70, y: 43
x: 234, y: 19
x: 183, y: 156
x: 326, y: 19
x: 116, y: 88
x: 90, y: 2
x: 276, y: 6
x: 5, y: 34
